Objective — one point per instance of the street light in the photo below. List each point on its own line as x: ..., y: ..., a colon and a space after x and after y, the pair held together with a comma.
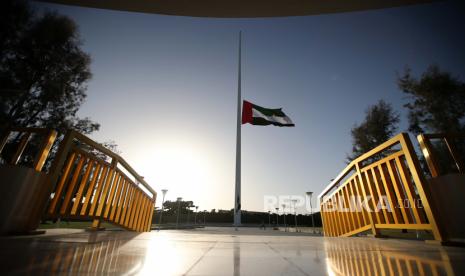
x: 295, y: 214
x: 309, y: 194
x: 179, y: 199
x: 284, y: 213
x: 277, y: 217
x: 189, y: 206
x: 269, y: 218
x: 162, y: 202
x: 195, y: 219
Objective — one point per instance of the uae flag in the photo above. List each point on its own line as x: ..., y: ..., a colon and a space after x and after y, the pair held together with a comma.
x: 257, y: 115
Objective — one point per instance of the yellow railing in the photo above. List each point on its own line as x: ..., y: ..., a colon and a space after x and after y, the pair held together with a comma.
x: 431, y: 155
x: 24, y: 135
x: 88, y: 181
x: 382, y: 189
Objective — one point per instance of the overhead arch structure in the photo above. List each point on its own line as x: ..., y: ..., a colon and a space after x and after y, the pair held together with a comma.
x: 240, y: 8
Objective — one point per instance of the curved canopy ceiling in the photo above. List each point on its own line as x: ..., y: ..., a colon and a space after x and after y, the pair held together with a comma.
x: 240, y: 8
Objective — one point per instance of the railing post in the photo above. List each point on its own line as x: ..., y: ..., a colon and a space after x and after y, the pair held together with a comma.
x: 423, y: 191
x: 44, y: 150
x: 427, y: 149
x: 61, y: 157
x: 59, y: 160
x: 96, y: 224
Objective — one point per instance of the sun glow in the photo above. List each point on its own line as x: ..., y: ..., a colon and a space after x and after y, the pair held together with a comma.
x: 180, y: 168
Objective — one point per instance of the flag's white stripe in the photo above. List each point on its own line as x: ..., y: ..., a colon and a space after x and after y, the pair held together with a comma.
x: 273, y: 118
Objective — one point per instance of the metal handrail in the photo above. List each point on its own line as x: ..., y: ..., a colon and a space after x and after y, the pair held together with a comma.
x: 430, y: 155
x: 396, y: 176
x: 82, y: 185
x: 120, y: 201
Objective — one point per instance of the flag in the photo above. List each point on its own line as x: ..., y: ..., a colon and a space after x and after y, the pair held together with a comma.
x: 257, y: 115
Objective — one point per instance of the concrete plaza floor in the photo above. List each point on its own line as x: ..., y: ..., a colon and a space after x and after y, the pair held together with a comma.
x: 221, y: 251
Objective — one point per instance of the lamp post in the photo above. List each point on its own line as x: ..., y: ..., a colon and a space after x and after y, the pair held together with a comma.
x: 277, y: 217
x: 295, y: 214
x: 309, y: 194
x: 162, y: 202
x: 188, y: 213
x: 195, y: 218
x: 284, y: 213
x: 269, y: 218
x: 179, y: 206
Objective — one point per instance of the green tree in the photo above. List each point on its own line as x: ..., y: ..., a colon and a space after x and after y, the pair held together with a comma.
x: 171, y: 207
x: 436, y: 101
x: 436, y: 104
x: 43, y: 70
x: 379, y: 125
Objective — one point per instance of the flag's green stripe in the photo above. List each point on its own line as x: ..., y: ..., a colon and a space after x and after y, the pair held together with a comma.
x: 269, y: 111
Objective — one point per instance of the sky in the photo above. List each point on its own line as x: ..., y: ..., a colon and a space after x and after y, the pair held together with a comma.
x: 164, y: 89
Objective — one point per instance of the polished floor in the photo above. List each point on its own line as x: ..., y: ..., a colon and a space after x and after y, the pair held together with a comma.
x: 221, y: 251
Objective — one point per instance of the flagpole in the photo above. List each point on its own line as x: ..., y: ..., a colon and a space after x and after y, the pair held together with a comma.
x: 237, y: 193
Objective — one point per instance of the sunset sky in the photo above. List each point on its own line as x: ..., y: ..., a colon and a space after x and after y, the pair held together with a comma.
x: 164, y: 89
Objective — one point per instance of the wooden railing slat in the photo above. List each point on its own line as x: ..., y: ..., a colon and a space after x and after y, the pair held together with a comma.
x: 408, y: 190
x: 126, y: 205
x: 90, y: 190
x: 364, y: 215
x: 399, y: 191
x: 111, y: 195
x: 96, y: 197
x: 103, y: 198
x: 71, y: 186
x: 80, y: 191
x: 390, y: 194
x: 116, y: 201
x: 381, y: 194
x: 373, y: 200
x: 59, y: 188
x: 124, y: 196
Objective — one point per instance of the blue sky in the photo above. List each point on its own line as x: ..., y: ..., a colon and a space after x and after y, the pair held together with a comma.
x: 164, y: 89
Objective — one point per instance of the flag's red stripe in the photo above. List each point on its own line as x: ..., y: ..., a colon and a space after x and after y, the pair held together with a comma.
x: 247, y: 112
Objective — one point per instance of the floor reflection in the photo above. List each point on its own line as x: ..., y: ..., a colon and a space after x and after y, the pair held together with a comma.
x: 197, y: 253
x: 355, y: 257
x: 81, y: 254
x: 163, y: 257
x: 237, y: 259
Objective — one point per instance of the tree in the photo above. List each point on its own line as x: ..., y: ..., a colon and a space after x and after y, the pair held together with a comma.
x: 171, y: 207
x: 436, y: 105
x: 379, y: 125
x: 43, y: 70
x: 436, y: 101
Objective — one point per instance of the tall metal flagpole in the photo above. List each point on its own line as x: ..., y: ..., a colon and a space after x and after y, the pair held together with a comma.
x: 237, y: 194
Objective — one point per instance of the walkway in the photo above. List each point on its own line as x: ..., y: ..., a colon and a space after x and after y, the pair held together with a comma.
x: 221, y: 251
